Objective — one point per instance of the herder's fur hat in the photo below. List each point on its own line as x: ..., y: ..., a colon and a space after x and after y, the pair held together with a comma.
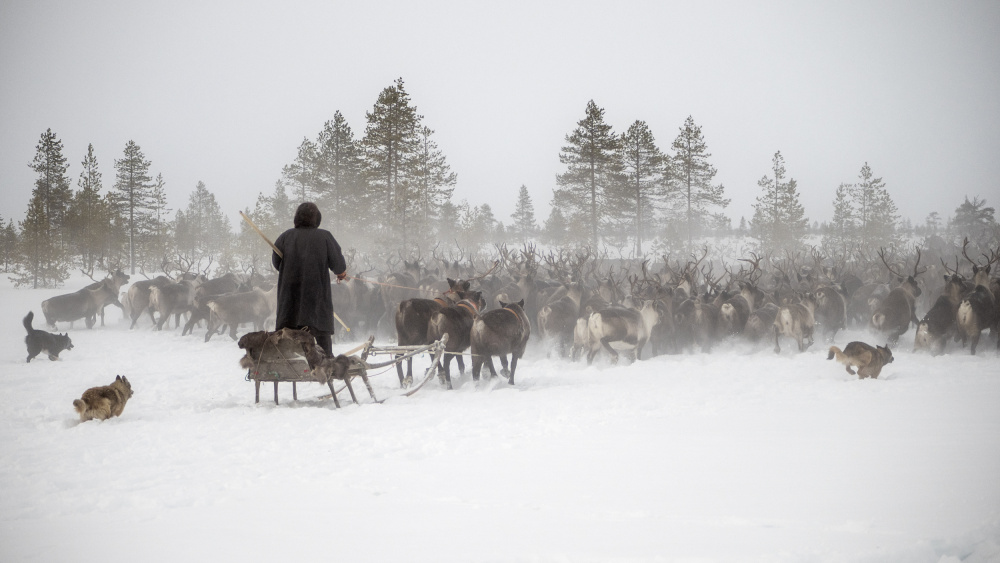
x: 307, y: 215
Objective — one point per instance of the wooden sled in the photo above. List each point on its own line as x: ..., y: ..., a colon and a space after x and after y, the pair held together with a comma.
x: 279, y: 368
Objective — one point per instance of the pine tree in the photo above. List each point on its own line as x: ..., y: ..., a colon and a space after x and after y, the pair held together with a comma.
x: 433, y: 183
x: 339, y: 174
x: 591, y: 160
x: 842, y: 231
x: 53, y: 187
x: 134, y: 195
x: 9, y: 243
x: 42, y: 263
x: 202, y: 230
x: 644, y: 185
x: 876, y: 213
x: 690, y: 180
x: 779, y: 220
x: 88, y: 222
x: 973, y: 219
x: 303, y: 173
x: 390, y: 142
x: 524, y: 226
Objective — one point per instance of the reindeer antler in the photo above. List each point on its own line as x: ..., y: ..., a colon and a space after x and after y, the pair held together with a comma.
x: 881, y: 254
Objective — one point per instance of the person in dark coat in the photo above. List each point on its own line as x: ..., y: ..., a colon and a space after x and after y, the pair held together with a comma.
x: 308, y: 254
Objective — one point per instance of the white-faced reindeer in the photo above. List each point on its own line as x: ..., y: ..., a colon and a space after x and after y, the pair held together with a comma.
x: 978, y: 309
x: 898, y: 310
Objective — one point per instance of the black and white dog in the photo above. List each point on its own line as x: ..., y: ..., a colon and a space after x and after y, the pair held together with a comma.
x: 40, y: 341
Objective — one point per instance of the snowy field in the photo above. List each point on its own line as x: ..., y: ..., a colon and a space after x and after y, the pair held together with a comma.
x: 735, y: 456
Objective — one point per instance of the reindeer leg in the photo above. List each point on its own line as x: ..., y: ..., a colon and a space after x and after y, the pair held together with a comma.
x: 607, y: 346
x: 974, y: 342
x: 461, y: 365
x: 489, y: 364
x: 505, y: 369
x: 513, y: 367
x: 777, y: 347
x: 477, y: 366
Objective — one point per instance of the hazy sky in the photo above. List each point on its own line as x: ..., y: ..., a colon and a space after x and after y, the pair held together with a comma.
x: 224, y: 92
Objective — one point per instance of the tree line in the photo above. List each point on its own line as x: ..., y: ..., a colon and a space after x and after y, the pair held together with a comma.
x: 392, y: 190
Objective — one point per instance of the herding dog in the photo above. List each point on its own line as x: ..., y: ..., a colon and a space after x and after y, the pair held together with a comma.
x: 868, y: 359
x: 104, y: 402
x: 40, y: 341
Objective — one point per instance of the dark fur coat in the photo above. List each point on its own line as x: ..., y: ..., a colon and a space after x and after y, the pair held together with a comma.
x: 308, y: 255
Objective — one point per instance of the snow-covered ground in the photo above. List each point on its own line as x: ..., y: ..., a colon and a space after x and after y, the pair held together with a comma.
x: 735, y: 456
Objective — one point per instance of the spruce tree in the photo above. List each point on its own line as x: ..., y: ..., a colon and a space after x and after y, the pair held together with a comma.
x: 779, y: 220
x: 591, y: 159
x: 691, y: 191
x: 645, y: 180
x: 556, y: 229
x: 134, y: 196
x: 524, y: 226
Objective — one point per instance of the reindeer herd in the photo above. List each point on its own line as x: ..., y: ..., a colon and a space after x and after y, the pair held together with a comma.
x: 577, y: 304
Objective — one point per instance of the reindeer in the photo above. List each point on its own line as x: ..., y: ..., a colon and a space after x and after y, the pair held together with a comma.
x: 796, y: 321
x: 618, y: 328
x: 82, y: 304
x: 232, y: 309
x: 831, y: 311
x: 117, y: 279
x: 413, y: 318
x: 557, y: 319
x: 939, y: 322
x: 497, y: 333
x: 215, y: 287
x: 456, y: 321
x: 138, y: 297
x: 978, y: 309
x: 898, y: 309
x: 760, y: 323
x: 172, y: 299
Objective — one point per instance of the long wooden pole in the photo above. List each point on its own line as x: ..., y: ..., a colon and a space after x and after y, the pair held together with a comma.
x: 280, y: 255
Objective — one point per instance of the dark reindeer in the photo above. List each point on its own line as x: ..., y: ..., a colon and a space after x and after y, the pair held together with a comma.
x: 557, y: 319
x: 456, y: 321
x: 117, y: 279
x: 898, y: 309
x: 497, y: 333
x: 831, y: 311
x: 83, y: 304
x: 413, y: 317
x: 939, y: 322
